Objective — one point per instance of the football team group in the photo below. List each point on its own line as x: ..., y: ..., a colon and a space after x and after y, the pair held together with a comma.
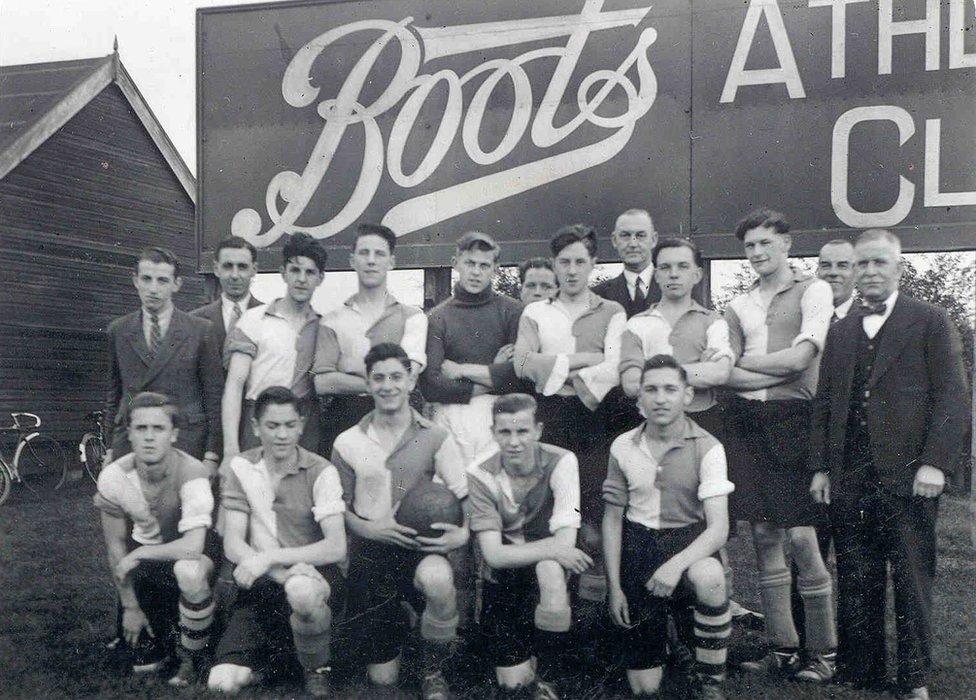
x: 276, y: 475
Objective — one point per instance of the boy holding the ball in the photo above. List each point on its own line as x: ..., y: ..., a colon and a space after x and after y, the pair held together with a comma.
x: 524, y: 501
x: 392, y: 450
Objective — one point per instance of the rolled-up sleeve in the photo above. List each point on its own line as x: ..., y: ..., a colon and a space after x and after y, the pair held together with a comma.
x: 108, y: 498
x: 816, y: 307
x: 482, y: 509
x: 549, y: 372
x: 347, y: 477
x: 327, y: 496
x: 196, y: 505
x: 713, y: 474
x: 564, y: 482
x: 449, y: 466
x: 232, y: 495
x: 600, y: 378
x: 717, y: 339
x: 615, y: 490
x: 239, y: 341
x: 414, y: 341
x: 631, y: 349
x: 327, y: 351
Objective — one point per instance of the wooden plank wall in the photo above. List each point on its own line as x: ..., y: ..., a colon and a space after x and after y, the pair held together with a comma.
x: 73, y: 217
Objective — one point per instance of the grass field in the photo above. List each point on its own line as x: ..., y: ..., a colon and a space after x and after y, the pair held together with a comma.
x: 56, y: 608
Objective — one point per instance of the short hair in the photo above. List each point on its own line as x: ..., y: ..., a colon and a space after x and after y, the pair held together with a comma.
x: 235, y: 243
x: 761, y: 218
x: 634, y: 212
x: 514, y: 403
x: 386, y: 351
x: 534, y: 264
x: 384, y: 232
x: 158, y: 255
x: 301, y: 245
x: 879, y: 234
x: 276, y: 396
x: 476, y: 240
x: 696, y: 253
x: 154, y: 399
x: 575, y: 233
x: 665, y: 362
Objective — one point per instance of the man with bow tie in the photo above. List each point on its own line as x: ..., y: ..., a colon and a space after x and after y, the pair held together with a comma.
x: 891, y: 419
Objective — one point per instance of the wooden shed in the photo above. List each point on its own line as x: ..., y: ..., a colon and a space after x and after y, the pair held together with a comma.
x: 87, y: 179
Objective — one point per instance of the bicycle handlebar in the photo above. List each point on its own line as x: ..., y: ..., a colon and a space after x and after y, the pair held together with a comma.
x: 18, y: 416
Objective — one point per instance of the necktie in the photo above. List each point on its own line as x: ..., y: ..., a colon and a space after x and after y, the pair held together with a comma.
x: 235, y: 316
x: 639, y: 298
x: 869, y: 309
x: 155, y: 333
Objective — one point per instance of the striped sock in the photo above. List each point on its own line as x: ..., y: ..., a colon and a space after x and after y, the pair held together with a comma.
x: 195, y: 620
x: 713, y: 625
x: 312, y: 639
x: 774, y: 589
x: 818, y: 611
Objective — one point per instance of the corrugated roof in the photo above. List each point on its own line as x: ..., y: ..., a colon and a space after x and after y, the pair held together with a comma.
x: 37, y: 99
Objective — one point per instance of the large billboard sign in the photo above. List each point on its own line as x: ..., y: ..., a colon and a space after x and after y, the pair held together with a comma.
x: 436, y: 117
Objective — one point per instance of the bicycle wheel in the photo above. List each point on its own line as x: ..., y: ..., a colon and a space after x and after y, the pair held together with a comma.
x: 93, y: 452
x: 41, y: 464
x: 4, y: 483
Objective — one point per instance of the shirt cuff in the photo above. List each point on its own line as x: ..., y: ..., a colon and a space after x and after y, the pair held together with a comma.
x: 321, y: 512
x: 193, y: 522
x: 565, y: 520
x: 557, y: 376
x: 715, y: 488
x: 817, y: 342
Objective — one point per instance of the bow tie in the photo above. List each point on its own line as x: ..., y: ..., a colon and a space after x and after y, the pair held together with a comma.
x: 869, y: 309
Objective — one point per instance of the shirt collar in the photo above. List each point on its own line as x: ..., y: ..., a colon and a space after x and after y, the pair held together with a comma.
x: 795, y: 278
x: 353, y: 302
x: 691, y: 431
x: 653, y: 310
x: 844, y: 308
x: 272, y: 310
x: 164, y: 316
x: 493, y: 465
x: 253, y: 458
x: 889, y: 307
x: 417, y: 421
x: 227, y: 303
x: 645, y: 276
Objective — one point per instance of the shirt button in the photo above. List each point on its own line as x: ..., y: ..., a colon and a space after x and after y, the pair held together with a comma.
x: 867, y: 394
x: 870, y: 346
x: 863, y: 423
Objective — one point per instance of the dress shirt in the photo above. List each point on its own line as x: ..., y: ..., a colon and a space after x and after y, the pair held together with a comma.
x: 227, y: 308
x: 844, y: 308
x: 873, y: 323
x: 646, y: 275
x: 164, y: 318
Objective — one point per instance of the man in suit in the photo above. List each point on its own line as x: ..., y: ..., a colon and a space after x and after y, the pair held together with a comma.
x: 234, y: 265
x: 890, y: 420
x: 633, y: 238
x: 162, y: 349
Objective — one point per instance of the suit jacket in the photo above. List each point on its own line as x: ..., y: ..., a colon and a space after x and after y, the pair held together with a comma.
x: 917, y: 398
x: 616, y: 290
x: 213, y: 312
x: 187, y: 368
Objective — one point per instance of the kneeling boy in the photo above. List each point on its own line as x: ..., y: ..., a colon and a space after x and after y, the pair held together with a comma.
x: 524, y: 503
x: 284, y: 531
x: 156, y: 506
x: 666, y: 517
x: 392, y: 449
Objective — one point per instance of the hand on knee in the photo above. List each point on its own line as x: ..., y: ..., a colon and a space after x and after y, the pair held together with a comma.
x: 228, y: 678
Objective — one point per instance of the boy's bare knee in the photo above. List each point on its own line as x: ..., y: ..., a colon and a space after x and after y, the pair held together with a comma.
x: 191, y: 574
x: 306, y: 594
x: 434, y: 576
x: 551, y: 578
x: 708, y: 578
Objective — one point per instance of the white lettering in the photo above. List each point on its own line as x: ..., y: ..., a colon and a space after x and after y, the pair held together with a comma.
x: 888, y: 28
x: 786, y: 73
x: 839, y: 160
x: 838, y: 33
x: 958, y: 58
x: 933, y: 148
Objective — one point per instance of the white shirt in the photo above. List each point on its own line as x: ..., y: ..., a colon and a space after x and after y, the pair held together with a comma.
x: 873, y: 323
x: 645, y: 276
x: 844, y: 308
x: 227, y: 308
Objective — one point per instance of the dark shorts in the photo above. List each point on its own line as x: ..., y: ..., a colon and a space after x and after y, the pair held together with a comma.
x: 508, y: 616
x: 380, y: 581
x: 258, y: 632
x: 643, y: 550
x: 569, y: 424
x: 767, y: 448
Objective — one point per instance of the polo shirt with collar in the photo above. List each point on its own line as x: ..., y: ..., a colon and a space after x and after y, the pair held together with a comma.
x: 799, y: 311
x: 872, y: 323
x: 844, y: 308
x: 550, y: 504
x: 699, y: 329
x: 548, y: 335
x: 284, y: 509
x: 346, y: 334
x: 280, y: 355
x: 645, y: 275
x: 374, y: 479
x: 227, y: 308
x: 667, y: 493
x: 159, y: 512
x: 165, y: 316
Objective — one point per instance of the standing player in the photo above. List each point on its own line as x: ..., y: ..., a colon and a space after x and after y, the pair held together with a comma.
x: 392, y: 449
x: 162, y: 349
x: 778, y: 330
x: 891, y: 420
x: 537, y: 280
x: 346, y: 334
x: 284, y: 532
x: 156, y: 506
x: 665, y: 519
x: 524, y: 501
x: 469, y: 347
x: 633, y: 238
x: 274, y: 345
x: 570, y: 347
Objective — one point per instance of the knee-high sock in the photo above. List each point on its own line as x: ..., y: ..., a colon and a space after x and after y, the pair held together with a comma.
x: 713, y: 625
x: 312, y: 640
x: 818, y: 613
x: 774, y: 587
x: 438, y: 636
x: 195, y: 621
x: 551, y: 635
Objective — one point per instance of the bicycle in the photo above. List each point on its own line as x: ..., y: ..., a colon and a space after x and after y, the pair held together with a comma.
x: 38, y: 462
x: 91, y: 449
